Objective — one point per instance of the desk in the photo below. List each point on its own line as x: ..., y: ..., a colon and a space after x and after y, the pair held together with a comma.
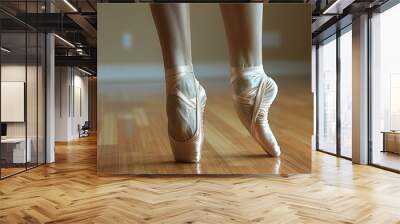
x: 15, y: 148
x: 391, y: 141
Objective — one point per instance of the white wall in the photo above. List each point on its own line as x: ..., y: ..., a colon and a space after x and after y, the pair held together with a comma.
x: 79, y: 117
x: 62, y: 81
x: 69, y: 82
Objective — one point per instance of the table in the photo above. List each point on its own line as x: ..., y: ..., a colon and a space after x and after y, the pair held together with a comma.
x: 15, y: 148
x: 391, y: 141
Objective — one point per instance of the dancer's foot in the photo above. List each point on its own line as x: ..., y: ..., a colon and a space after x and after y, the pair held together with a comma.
x: 186, y: 100
x: 253, y: 94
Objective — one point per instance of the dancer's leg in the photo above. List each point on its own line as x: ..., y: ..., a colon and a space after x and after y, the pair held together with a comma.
x: 243, y: 26
x: 172, y: 21
x: 183, y: 91
x: 253, y: 91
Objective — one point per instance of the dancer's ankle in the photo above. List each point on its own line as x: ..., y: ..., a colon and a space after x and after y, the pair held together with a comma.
x: 181, y: 78
x: 244, y: 79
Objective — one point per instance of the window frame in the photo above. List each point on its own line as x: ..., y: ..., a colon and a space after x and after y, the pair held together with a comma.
x: 337, y: 34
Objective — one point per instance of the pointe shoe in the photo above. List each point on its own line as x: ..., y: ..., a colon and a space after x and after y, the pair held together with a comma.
x: 188, y: 150
x: 258, y: 100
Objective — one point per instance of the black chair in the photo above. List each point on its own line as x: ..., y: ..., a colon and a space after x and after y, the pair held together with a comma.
x: 84, y: 130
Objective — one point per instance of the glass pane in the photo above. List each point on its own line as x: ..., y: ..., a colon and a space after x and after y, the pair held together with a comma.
x: 41, y: 98
x: 13, y: 89
x: 31, y: 100
x: 346, y: 93
x: 386, y: 89
x: 327, y: 96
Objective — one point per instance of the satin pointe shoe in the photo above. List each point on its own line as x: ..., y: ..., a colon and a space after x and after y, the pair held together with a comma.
x: 188, y: 112
x: 253, y: 95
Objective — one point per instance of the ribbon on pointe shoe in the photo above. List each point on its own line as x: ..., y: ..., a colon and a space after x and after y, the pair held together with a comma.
x: 260, y: 96
x: 188, y: 150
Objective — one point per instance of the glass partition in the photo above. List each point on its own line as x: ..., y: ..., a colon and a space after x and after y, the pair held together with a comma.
x: 31, y: 100
x: 41, y: 97
x: 22, y: 78
x: 14, y: 153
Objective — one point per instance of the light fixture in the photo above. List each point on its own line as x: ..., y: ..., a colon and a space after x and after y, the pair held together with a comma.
x: 65, y: 41
x: 5, y: 50
x: 337, y: 7
x: 84, y: 71
x: 70, y: 5
x: 79, y: 51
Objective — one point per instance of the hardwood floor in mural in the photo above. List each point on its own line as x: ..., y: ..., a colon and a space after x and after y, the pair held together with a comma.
x: 70, y: 191
x: 133, y: 135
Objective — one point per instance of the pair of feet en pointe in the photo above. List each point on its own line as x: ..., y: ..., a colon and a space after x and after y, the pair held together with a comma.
x: 253, y: 94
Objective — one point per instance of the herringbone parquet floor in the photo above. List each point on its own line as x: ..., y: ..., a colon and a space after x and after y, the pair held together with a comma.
x: 69, y: 191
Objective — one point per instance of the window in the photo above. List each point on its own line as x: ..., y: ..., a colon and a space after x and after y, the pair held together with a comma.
x: 334, y: 94
x: 385, y: 89
x: 346, y: 75
x: 327, y: 95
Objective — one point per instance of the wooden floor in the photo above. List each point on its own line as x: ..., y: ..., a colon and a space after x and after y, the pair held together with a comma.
x: 133, y: 132
x: 70, y: 191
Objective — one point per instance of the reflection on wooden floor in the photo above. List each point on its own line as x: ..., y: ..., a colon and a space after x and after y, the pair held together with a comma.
x: 70, y: 191
x: 5, y: 172
x: 11, y: 169
x: 386, y: 159
x: 133, y: 131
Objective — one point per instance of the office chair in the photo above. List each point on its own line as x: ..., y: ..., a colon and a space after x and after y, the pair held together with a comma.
x: 84, y: 130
